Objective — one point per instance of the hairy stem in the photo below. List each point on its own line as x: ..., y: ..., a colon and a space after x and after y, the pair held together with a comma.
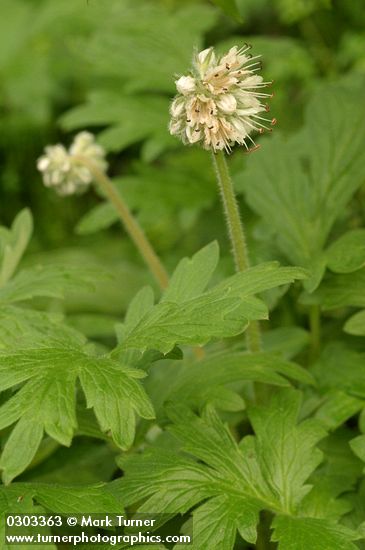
x: 129, y: 222
x: 236, y: 235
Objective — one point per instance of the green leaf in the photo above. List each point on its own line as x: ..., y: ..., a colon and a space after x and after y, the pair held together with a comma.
x: 340, y: 290
x: 141, y: 304
x: 115, y: 396
x: 301, y: 185
x: 337, y: 408
x: 282, y: 442
x: 192, y: 276
x: 218, y: 313
x: 93, y: 325
x: 25, y: 327
x: 266, y: 471
x: 316, y: 534
x: 218, y: 379
x: 340, y: 367
x: 123, y: 102
x: 220, y: 397
x: 358, y: 446
x: 89, y: 499
x: 149, y: 32
x: 286, y: 341
x: 131, y: 119
x: 348, y: 252
x: 229, y: 7
x: 18, y: 499
x: 46, y: 402
x: 48, y: 281
x: 39, y: 498
x: 207, y: 381
x: 292, y: 11
x: 333, y: 480
x: 13, y: 244
x: 100, y: 217
x: 356, y: 324
x: 194, y: 379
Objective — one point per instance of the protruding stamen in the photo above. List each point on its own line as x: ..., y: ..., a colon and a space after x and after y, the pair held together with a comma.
x: 253, y: 149
x: 252, y: 57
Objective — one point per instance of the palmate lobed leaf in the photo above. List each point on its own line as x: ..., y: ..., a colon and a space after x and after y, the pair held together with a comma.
x: 197, y: 382
x: 228, y: 481
x: 316, y: 534
x: 39, y: 280
x: 334, y: 480
x: 46, y: 402
x: 23, y: 327
x: 42, y: 498
x: 219, y: 379
x: 188, y: 315
x: 47, y: 281
x: 149, y: 32
x: 303, y: 184
x: 20, y: 325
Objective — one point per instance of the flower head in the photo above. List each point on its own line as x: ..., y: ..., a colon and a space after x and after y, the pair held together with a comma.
x: 64, y: 170
x: 220, y: 101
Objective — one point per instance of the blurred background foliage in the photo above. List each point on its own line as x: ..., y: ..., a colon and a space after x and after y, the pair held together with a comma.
x: 109, y: 66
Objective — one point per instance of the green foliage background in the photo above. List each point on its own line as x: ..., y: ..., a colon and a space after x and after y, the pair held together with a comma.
x: 109, y: 66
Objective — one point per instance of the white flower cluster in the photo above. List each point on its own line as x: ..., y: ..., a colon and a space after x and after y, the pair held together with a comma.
x: 63, y: 169
x: 219, y: 102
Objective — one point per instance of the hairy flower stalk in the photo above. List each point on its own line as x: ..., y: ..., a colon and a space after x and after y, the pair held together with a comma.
x: 220, y: 104
x: 236, y: 235
x: 72, y: 171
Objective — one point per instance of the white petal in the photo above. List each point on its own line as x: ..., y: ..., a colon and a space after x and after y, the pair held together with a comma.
x: 177, y: 107
x: 204, y: 55
x: 43, y: 163
x: 227, y: 103
x: 175, y: 127
x: 185, y: 85
x: 192, y: 135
